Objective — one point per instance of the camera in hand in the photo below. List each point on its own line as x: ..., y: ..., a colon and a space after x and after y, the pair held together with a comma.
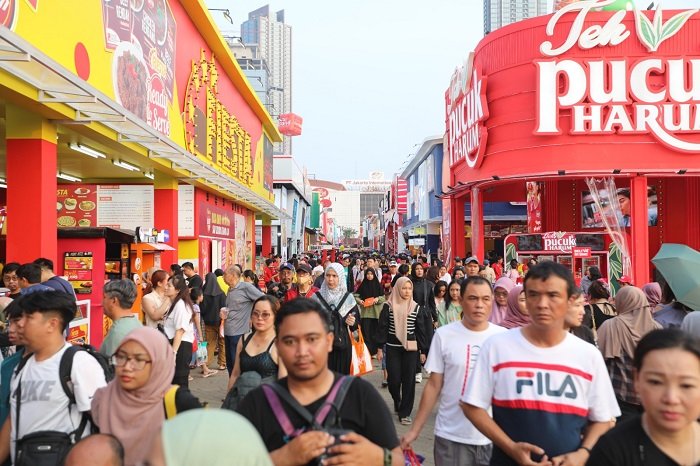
x: 336, y: 433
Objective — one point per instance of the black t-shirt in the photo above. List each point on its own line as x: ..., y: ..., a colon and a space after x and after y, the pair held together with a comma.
x: 195, y: 281
x: 363, y: 411
x: 628, y: 445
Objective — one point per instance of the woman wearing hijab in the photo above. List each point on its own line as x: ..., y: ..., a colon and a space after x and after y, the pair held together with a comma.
x: 214, y: 300
x: 516, y: 310
x: 131, y: 406
x: 173, y: 446
x: 653, y: 293
x: 370, y: 300
x: 500, y: 299
x: 403, y: 332
x: 340, y: 304
x: 617, y: 339
x: 424, y: 295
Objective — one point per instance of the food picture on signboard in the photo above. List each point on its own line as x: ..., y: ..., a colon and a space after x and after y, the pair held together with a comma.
x: 76, y: 206
x: 592, y: 217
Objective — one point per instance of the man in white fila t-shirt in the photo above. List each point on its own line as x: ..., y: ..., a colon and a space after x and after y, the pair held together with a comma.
x: 451, y: 359
x: 549, y: 390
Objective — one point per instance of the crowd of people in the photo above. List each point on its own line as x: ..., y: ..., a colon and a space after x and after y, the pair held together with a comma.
x: 524, y: 365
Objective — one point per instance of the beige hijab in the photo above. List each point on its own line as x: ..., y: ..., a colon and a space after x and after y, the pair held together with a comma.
x: 619, y: 336
x: 401, y: 309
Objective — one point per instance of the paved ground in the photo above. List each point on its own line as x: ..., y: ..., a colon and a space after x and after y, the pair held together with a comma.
x: 213, y: 391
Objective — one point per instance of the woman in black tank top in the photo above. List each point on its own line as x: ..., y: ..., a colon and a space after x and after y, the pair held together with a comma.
x: 256, y: 351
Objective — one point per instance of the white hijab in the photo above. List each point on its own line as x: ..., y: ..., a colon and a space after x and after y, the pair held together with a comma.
x: 334, y: 295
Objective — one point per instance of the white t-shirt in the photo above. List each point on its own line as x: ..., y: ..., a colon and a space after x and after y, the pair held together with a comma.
x: 179, y: 318
x: 453, y: 353
x: 543, y: 396
x: 447, y: 278
x: 44, y: 404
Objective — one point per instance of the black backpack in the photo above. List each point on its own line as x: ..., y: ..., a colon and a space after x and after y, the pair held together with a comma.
x: 341, y: 341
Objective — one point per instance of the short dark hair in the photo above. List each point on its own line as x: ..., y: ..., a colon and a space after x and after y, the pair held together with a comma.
x: 597, y: 290
x: 13, y: 310
x: 30, y: 272
x: 302, y: 306
x: 188, y: 265
x: 44, y: 263
x: 576, y: 293
x: 195, y: 293
x: 10, y: 267
x: 176, y: 269
x: 668, y: 338
x: 473, y: 280
x: 49, y: 301
x: 124, y: 290
x: 219, y: 273
x: 546, y: 269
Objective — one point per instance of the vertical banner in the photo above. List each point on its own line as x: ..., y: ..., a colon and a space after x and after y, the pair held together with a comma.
x: 476, y: 223
x: 242, y: 256
x: 446, y: 231
x: 534, y: 206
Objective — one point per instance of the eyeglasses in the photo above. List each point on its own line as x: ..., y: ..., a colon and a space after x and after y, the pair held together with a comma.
x: 121, y: 359
x: 261, y: 315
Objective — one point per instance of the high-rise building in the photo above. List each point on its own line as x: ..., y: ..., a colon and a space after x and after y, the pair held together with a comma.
x: 270, y: 39
x: 498, y: 13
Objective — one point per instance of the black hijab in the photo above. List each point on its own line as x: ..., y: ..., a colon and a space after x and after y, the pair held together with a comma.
x: 370, y: 288
x: 211, y: 286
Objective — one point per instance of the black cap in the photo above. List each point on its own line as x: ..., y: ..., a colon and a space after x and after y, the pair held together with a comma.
x: 304, y: 268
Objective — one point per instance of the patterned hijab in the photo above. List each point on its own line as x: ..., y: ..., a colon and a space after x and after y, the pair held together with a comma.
x: 334, y: 295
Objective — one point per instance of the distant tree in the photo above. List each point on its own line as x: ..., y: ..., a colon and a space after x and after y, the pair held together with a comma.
x: 349, y: 232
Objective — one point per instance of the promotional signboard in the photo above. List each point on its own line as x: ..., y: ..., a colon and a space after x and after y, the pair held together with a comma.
x: 76, y: 205
x: 466, y: 113
x: 558, y: 241
x: 653, y: 95
x: 534, y: 206
x: 185, y: 211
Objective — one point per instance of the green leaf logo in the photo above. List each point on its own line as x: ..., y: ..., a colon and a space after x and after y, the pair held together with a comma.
x: 651, y: 35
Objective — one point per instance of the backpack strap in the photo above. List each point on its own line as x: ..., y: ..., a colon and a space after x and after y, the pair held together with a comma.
x: 324, y: 302
x: 275, y: 393
x: 169, y: 402
x: 65, y: 368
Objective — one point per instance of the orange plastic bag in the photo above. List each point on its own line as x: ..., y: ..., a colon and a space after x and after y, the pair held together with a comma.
x: 361, y: 362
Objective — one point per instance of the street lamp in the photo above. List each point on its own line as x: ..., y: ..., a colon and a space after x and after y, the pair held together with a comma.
x: 227, y: 13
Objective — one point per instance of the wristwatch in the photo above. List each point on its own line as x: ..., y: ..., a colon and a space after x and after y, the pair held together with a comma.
x: 387, y: 457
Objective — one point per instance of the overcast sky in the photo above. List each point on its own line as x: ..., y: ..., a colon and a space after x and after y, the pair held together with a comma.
x: 369, y: 76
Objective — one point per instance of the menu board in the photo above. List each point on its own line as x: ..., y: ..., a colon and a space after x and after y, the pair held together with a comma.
x: 78, y: 270
x: 76, y: 205
x: 125, y: 206
x: 185, y: 211
x: 142, y: 35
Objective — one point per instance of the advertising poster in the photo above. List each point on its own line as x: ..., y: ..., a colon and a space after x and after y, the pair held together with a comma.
x: 534, y: 206
x: 591, y: 216
x: 242, y: 256
x: 79, y: 327
x: 76, y: 205
x: 141, y: 34
x: 216, y: 221
x: 78, y: 270
x: 205, y: 265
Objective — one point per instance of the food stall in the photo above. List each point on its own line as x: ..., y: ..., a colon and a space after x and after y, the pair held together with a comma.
x: 577, y: 251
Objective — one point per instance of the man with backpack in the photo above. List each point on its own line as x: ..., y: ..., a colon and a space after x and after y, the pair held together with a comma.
x: 48, y: 407
x: 299, y: 417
